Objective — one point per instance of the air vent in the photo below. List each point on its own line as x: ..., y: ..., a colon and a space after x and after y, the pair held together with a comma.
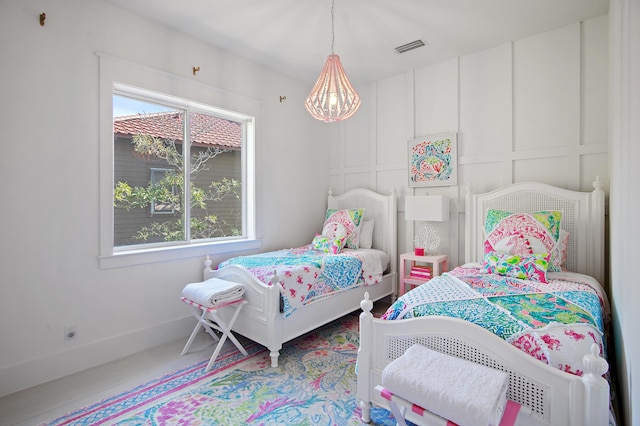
x: 410, y: 46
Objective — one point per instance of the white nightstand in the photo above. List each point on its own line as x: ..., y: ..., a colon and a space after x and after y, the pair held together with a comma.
x: 407, y: 260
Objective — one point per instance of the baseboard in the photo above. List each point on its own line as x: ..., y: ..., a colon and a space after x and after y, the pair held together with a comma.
x: 40, y: 370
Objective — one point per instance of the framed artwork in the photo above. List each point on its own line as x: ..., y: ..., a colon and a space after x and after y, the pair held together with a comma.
x: 433, y: 160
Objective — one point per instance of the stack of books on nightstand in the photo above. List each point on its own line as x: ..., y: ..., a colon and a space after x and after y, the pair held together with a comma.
x: 420, y: 271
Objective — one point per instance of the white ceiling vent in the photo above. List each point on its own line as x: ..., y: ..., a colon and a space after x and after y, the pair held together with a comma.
x: 410, y: 46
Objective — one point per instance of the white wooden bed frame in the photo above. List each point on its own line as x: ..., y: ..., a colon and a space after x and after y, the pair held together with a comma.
x: 549, y: 396
x: 261, y: 320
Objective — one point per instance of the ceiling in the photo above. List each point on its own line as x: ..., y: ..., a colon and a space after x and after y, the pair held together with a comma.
x: 294, y: 36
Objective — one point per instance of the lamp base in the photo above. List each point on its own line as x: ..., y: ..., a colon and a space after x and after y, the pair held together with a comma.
x: 429, y: 239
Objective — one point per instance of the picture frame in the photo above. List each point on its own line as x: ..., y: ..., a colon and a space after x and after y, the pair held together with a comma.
x: 433, y: 160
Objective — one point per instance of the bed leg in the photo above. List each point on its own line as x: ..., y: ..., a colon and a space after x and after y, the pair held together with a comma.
x: 274, y: 358
x: 366, y: 411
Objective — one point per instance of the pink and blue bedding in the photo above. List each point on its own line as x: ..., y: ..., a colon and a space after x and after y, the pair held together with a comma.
x: 556, y: 321
x: 306, y: 274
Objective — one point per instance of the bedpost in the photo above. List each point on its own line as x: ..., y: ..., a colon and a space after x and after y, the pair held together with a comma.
x: 363, y: 364
x: 272, y: 303
x: 596, y: 388
x: 207, y: 268
x: 596, y: 245
x: 469, y: 251
x: 392, y: 243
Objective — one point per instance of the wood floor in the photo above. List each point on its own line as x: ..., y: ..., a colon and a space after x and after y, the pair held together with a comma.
x: 42, y: 403
x: 51, y: 400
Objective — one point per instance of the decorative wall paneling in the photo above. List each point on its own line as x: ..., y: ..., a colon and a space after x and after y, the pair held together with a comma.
x: 530, y: 110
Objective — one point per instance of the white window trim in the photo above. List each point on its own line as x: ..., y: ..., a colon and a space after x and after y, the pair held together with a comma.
x: 116, y: 72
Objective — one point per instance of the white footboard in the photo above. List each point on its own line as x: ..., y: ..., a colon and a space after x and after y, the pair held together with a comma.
x: 261, y: 320
x: 549, y: 396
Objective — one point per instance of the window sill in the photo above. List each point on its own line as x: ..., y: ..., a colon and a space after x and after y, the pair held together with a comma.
x: 164, y: 254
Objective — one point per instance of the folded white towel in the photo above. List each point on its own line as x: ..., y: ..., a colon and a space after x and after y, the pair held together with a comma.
x: 456, y: 389
x: 213, y: 291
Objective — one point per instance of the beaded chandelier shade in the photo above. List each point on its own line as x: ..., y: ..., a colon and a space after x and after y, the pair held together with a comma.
x: 332, y: 98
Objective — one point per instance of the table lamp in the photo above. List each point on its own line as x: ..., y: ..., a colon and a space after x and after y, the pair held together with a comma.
x: 427, y: 208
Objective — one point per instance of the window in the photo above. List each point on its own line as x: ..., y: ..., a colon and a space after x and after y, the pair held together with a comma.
x: 178, y: 171
x: 176, y: 167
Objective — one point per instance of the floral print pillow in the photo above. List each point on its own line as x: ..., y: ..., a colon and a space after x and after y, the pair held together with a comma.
x: 524, y: 234
x: 532, y: 267
x: 345, y: 223
x: 327, y: 244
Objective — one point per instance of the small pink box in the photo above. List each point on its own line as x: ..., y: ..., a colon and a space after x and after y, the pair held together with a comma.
x: 419, y: 251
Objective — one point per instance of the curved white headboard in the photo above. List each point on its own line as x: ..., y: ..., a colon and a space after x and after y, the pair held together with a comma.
x: 379, y: 207
x: 583, y: 216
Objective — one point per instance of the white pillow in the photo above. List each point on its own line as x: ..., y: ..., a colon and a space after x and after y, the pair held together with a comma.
x: 366, y: 235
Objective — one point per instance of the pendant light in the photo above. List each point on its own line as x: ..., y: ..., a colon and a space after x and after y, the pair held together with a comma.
x: 332, y: 98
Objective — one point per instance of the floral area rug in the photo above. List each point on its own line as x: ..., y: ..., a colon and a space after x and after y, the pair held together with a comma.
x: 315, y: 384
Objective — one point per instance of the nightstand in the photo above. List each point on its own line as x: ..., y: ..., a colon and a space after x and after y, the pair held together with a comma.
x: 438, y: 264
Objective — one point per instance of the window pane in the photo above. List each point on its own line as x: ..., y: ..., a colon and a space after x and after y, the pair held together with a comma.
x: 216, y: 176
x: 148, y: 173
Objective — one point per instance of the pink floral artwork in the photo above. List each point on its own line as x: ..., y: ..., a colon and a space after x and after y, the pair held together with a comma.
x: 432, y: 161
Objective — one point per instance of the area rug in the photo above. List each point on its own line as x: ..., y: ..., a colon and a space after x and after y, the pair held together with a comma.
x: 315, y: 384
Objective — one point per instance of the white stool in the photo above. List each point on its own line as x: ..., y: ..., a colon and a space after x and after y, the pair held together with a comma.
x: 209, y: 319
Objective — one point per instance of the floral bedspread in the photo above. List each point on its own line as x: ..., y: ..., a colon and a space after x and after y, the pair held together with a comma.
x: 306, y: 275
x: 556, y: 322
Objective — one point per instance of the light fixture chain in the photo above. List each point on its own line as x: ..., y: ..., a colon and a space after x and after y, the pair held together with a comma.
x: 333, y: 25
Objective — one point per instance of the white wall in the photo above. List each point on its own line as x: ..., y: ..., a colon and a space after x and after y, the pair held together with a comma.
x: 531, y: 110
x: 625, y: 199
x: 49, y: 168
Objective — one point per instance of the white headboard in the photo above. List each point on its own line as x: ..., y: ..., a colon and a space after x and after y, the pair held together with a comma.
x: 379, y: 207
x: 582, y: 216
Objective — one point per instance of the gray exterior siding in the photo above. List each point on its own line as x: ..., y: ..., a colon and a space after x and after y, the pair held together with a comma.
x: 137, y: 172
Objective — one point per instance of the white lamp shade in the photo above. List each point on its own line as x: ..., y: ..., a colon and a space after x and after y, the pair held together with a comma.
x: 428, y: 208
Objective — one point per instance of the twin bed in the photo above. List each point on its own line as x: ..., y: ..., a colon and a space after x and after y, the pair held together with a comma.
x: 559, y: 317
x: 563, y: 393
x: 271, y: 319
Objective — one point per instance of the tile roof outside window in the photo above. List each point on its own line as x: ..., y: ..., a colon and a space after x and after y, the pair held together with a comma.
x: 215, y: 131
